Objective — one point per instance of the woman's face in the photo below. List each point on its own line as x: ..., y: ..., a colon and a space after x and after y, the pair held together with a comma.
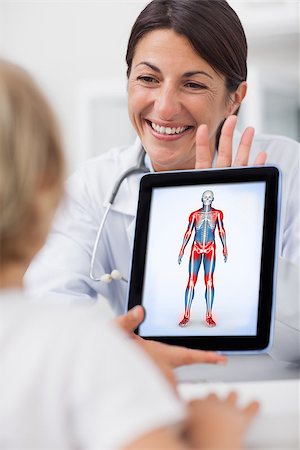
x: 171, y: 91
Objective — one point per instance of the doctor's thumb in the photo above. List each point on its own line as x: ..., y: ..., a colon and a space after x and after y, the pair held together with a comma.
x: 130, y: 321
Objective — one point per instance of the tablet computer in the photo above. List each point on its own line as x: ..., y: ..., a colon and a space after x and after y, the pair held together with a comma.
x: 204, y: 257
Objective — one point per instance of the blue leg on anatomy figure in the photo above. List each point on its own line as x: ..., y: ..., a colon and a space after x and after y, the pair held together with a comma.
x: 194, y: 266
x: 209, y: 262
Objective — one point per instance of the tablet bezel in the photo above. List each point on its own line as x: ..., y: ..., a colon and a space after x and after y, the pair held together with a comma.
x: 268, y: 174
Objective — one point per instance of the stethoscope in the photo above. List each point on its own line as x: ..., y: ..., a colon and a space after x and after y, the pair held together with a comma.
x: 115, y: 274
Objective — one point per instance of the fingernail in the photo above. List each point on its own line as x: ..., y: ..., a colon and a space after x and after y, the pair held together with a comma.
x: 222, y: 363
x: 135, y: 312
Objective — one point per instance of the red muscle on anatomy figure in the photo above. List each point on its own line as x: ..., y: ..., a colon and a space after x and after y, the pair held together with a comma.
x: 203, y: 222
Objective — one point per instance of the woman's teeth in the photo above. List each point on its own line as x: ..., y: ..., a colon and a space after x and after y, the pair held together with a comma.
x: 167, y: 130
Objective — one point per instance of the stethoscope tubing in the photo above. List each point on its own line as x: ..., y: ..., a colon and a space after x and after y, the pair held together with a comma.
x: 95, y: 248
x: 139, y: 168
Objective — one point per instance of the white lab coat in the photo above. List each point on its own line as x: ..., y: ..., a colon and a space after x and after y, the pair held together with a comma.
x: 62, y: 267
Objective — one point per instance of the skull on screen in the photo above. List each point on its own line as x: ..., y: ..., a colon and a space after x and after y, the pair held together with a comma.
x: 207, y: 198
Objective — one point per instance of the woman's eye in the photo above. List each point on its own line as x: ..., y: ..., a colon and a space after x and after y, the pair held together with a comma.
x: 195, y: 86
x: 147, y: 79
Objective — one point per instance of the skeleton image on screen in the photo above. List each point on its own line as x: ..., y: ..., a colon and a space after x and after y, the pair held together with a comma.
x: 203, y: 223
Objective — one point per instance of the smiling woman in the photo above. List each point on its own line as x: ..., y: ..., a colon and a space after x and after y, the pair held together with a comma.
x: 198, y: 71
x: 169, y: 98
x: 187, y: 71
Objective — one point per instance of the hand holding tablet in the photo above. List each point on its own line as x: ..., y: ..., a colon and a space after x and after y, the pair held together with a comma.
x: 187, y: 225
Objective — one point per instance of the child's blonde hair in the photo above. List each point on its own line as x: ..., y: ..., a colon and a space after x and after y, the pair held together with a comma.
x: 31, y: 158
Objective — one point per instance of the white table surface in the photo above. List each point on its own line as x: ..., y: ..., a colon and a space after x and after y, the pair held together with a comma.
x: 277, y: 423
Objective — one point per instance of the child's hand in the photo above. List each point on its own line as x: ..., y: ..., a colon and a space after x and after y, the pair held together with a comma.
x: 167, y: 357
x: 219, y: 424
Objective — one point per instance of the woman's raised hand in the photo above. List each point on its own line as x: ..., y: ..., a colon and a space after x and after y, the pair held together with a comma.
x: 224, y: 156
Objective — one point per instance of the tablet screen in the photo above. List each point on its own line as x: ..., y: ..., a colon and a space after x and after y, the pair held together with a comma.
x: 204, y: 257
x: 202, y: 268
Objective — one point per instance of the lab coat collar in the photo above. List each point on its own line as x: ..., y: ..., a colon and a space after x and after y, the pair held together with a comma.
x: 127, y: 198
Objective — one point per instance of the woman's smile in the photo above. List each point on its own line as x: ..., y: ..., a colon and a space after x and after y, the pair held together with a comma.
x: 168, y: 131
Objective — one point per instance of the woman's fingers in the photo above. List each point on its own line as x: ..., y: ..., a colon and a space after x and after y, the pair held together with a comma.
x: 224, y: 158
x: 242, y: 155
x: 261, y: 158
x: 224, y: 154
x: 203, y: 155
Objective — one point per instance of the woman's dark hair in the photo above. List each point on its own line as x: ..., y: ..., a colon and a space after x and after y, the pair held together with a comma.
x: 211, y: 26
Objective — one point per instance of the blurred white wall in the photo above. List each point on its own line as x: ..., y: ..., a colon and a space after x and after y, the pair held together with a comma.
x: 69, y: 46
x: 272, y: 30
x: 76, y: 51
